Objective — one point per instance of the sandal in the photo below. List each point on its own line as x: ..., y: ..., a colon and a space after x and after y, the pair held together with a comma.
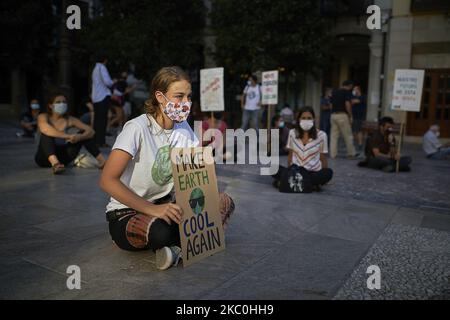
x: 58, y: 168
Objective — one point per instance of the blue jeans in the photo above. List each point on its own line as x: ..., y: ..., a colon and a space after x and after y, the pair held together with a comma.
x: 440, y: 155
x: 252, y: 117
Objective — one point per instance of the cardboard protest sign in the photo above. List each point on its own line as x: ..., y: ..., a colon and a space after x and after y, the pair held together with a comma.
x: 194, y: 176
x: 211, y: 90
x: 269, y: 88
x: 408, y: 88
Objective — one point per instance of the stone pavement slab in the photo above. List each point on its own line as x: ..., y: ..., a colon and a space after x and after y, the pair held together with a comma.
x: 279, y: 246
x: 414, y: 264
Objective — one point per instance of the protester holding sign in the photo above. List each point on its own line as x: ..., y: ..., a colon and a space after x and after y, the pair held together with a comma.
x: 251, y: 104
x: 142, y: 212
x: 308, y: 149
x: 381, y: 150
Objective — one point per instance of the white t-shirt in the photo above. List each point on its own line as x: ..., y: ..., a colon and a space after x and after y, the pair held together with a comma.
x: 308, y: 156
x: 149, y: 172
x: 253, y: 97
x: 101, y: 82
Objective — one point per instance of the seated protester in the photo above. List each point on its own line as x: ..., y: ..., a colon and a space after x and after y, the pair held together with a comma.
x: 28, y: 120
x: 381, y: 151
x: 432, y: 147
x: 308, y: 147
x: 57, y: 147
x: 216, y: 142
x: 142, y: 212
x: 117, y: 102
x: 280, y: 124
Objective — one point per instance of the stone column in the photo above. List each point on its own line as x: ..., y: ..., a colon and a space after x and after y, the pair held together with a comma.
x: 312, y: 94
x: 399, y: 50
x: 373, y: 93
x: 18, y: 92
x: 64, y: 57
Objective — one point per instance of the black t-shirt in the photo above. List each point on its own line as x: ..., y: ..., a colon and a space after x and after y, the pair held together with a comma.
x: 377, y: 141
x: 339, y: 98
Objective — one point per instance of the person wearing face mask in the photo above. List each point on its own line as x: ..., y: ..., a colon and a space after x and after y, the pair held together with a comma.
x: 28, y: 120
x: 359, y: 112
x: 381, y: 151
x: 432, y: 147
x: 279, y: 123
x: 142, y: 212
x: 57, y: 147
x: 251, y: 104
x: 308, y: 149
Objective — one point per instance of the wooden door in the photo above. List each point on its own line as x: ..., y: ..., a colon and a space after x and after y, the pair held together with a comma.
x: 435, y: 107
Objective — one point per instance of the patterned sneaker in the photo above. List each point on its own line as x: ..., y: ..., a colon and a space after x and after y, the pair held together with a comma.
x: 167, y: 257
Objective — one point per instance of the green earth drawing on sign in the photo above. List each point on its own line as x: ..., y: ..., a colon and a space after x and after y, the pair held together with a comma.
x: 197, y: 201
x: 162, y: 169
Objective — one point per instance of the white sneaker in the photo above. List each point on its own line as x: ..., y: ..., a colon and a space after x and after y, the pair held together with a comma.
x: 167, y: 257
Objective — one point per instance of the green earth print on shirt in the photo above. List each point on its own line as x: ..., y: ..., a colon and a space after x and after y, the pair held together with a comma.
x: 162, y: 169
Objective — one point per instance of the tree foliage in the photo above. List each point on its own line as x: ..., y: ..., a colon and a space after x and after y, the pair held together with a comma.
x: 267, y: 34
x: 150, y: 34
x: 26, y: 29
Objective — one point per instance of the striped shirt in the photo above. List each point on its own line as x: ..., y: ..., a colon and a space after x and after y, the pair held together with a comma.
x: 308, y: 156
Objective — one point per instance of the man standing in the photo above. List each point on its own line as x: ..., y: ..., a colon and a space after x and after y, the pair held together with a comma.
x: 359, y: 112
x: 341, y: 119
x: 251, y: 104
x: 432, y: 147
x: 101, y: 82
x: 325, y: 111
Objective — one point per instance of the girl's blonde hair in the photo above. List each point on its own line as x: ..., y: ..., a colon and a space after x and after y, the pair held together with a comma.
x: 161, y: 82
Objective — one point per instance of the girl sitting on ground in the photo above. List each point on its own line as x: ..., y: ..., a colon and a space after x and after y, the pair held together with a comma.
x: 308, y: 148
x: 142, y: 212
x: 57, y: 147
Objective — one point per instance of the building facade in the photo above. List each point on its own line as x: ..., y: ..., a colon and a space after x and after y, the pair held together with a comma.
x: 415, y: 34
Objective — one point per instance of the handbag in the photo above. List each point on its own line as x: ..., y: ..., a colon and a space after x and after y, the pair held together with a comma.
x: 85, y: 161
x: 295, y: 179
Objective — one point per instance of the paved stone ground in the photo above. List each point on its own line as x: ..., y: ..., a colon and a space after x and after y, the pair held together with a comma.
x: 278, y: 246
x: 414, y: 262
